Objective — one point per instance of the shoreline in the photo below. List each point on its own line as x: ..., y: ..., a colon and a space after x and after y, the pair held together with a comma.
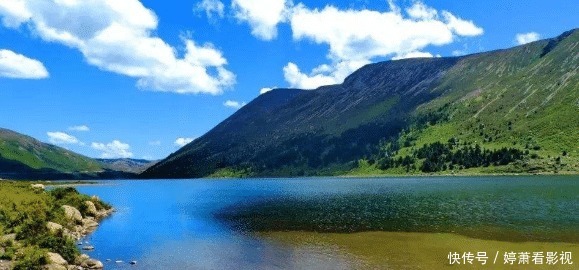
x: 49, y: 237
x: 69, y: 183
x: 460, y: 175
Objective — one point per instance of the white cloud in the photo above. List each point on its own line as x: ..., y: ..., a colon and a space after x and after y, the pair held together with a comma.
x: 460, y: 26
x: 18, y: 66
x: 17, y: 10
x: 357, y: 37
x: 61, y: 138
x: 114, y: 149
x: 525, y: 38
x: 79, y: 128
x: 413, y: 55
x: 118, y: 36
x: 211, y: 7
x: 263, y: 16
x: 321, y: 75
x: 266, y: 89
x: 421, y: 11
x: 183, y: 141
x: 234, y: 104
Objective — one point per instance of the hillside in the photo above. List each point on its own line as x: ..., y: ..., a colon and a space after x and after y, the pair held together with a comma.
x: 513, y: 110
x: 23, y: 157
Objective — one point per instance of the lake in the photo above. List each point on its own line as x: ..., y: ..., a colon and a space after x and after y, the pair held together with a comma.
x: 245, y: 223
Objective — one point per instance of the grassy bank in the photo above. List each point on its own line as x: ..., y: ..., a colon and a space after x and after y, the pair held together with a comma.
x: 25, y: 214
x: 405, y: 250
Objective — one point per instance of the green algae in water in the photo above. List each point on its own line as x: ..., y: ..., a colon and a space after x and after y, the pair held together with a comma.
x: 503, y: 208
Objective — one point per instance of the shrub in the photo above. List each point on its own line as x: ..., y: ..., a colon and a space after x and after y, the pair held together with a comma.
x: 30, y: 258
x: 8, y: 254
x: 61, y: 245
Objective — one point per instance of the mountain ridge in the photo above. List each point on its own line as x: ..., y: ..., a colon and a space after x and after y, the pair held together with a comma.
x: 404, y: 103
x: 24, y: 157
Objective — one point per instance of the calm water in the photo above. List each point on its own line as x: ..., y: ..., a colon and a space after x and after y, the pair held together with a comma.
x: 172, y: 224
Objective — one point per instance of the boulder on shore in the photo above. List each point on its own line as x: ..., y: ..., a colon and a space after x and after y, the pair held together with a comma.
x: 91, y: 208
x: 92, y: 264
x: 55, y: 258
x: 8, y: 237
x: 37, y: 186
x: 53, y: 227
x: 72, y: 213
x: 54, y: 267
x: 89, y: 223
x: 56, y: 262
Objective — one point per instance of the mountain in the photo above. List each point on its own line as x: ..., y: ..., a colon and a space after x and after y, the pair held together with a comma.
x: 512, y: 110
x: 23, y: 157
x: 127, y: 164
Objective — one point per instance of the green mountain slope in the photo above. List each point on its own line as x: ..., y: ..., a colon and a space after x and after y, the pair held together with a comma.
x: 23, y: 157
x: 514, y: 110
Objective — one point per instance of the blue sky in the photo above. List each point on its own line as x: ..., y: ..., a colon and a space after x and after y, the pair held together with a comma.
x: 141, y: 78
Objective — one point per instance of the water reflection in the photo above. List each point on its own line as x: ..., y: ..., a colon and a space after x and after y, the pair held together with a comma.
x: 166, y: 224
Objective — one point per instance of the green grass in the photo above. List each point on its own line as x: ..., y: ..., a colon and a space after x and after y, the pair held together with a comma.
x: 35, y: 155
x: 25, y: 211
x: 513, y: 99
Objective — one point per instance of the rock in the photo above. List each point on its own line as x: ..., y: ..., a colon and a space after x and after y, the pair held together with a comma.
x: 54, y: 267
x: 8, y: 237
x: 89, y: 223
x: 92, y: 264
x: 91, y: 208
x: 72, y: 213
x: 53, y: 227
x: 5, y: 265
x: 80, y: 259
x: 104, y: 213
x: 55, y: 258
x: 37, y: 186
